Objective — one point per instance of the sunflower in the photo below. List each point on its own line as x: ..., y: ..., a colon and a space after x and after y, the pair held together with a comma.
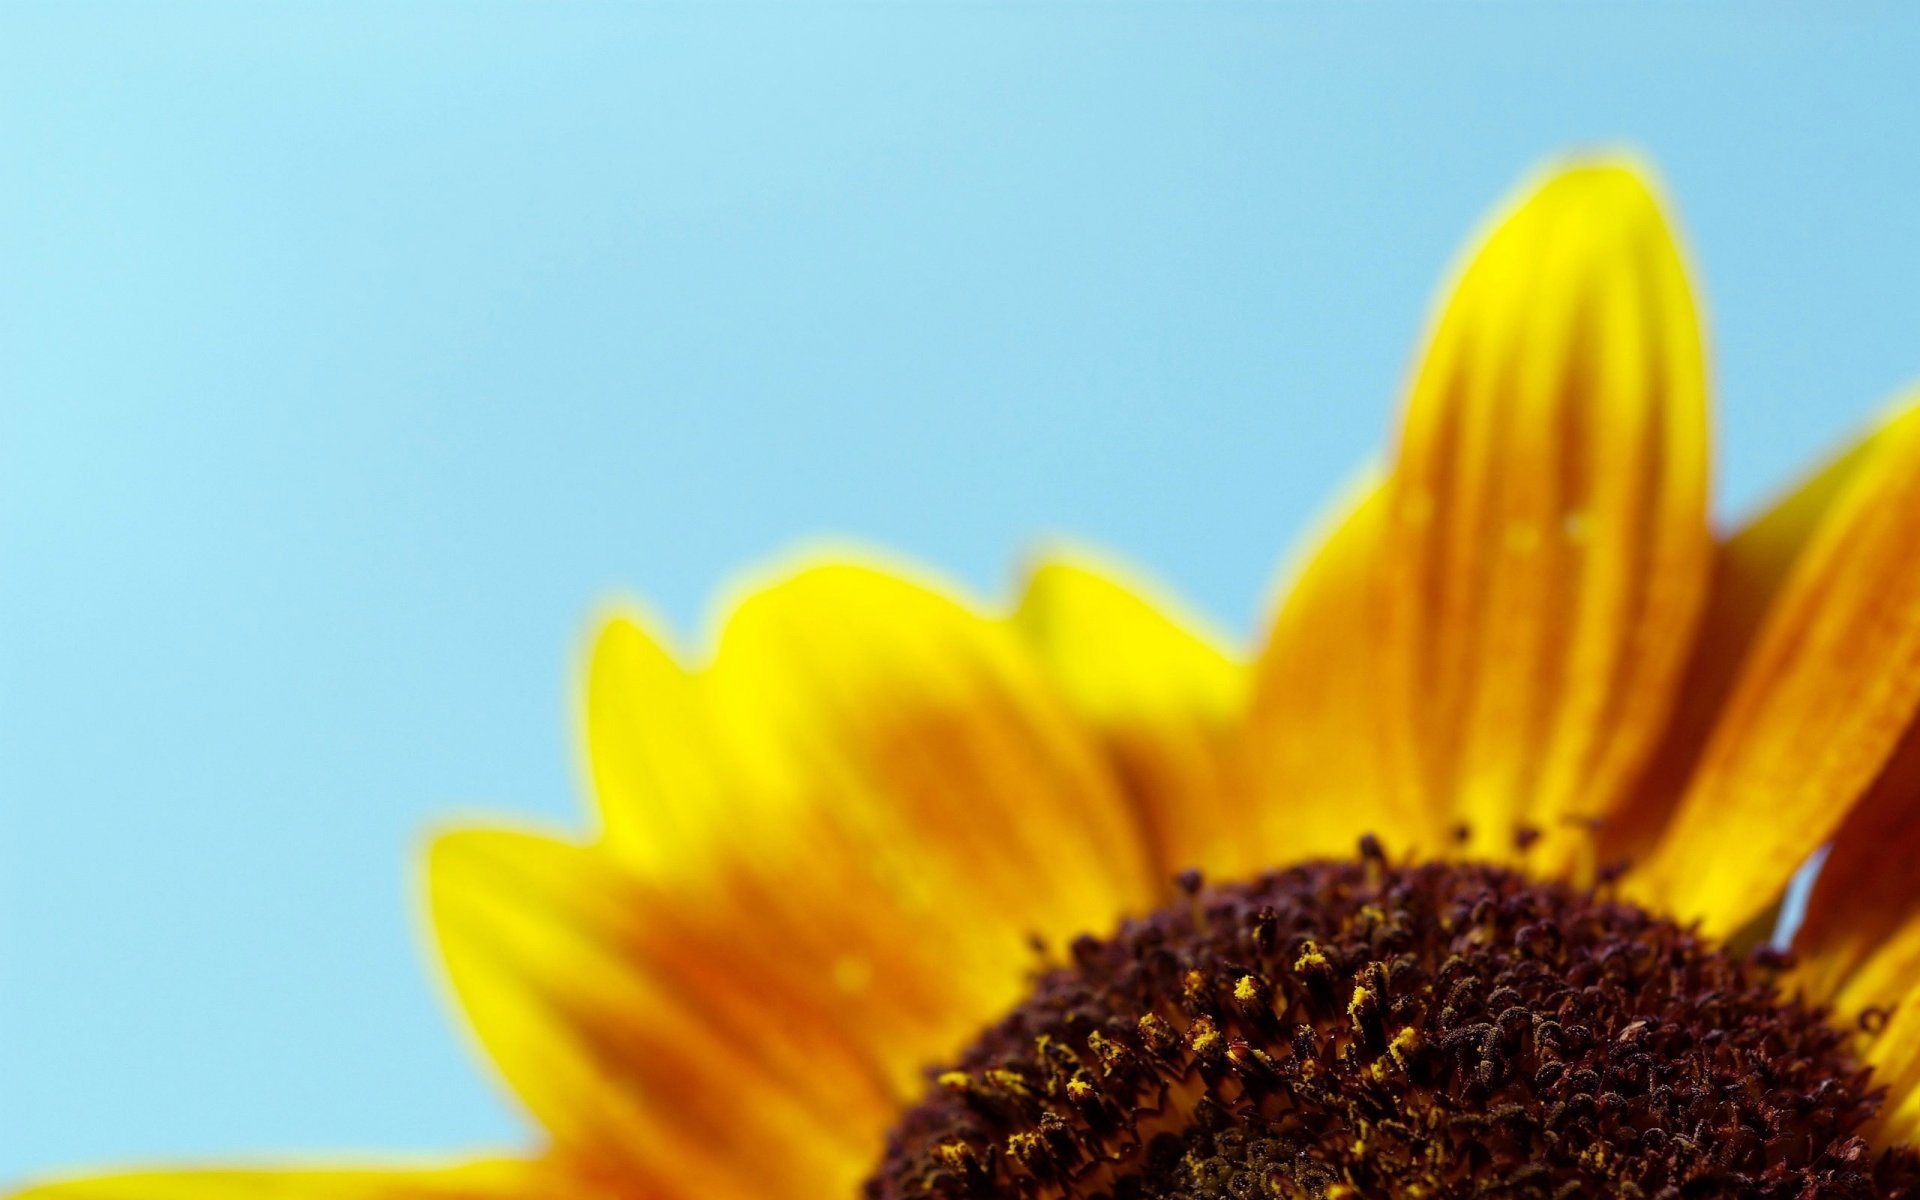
x: 1463, y: 885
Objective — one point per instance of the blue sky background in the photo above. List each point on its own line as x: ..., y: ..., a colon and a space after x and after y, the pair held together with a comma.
x: 350, y: 355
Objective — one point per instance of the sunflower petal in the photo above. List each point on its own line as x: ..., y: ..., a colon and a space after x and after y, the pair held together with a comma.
x: 922, y: 725
x: 675, y: 784
x: 504, y: 1180
x: 1313, y: 751
x: 872, y: 801
x: 850, y: 705
x: 1827, y: 693
x: 656, y: 775
x: 1870, y: 984
x: 1748, y: 572
x: 1858, y: 947
x: 1163, y: 700
x: 1895, y: 1058
x: 1547, y: 549
x: 637, y: 1042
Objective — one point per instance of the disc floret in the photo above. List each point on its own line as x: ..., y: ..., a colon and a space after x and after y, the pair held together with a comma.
x: 1361, y: 1028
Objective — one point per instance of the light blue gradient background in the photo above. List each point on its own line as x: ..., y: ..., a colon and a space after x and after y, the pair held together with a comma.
x: 349, y: 357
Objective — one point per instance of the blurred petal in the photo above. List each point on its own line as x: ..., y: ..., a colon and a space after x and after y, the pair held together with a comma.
x: 1820, y: 705
x: 873, y: 799
x: 1163, y: 700
x: 1859, y: 944
x: 638, y: 1043
x: 472, y: 1181
x: 1895, y: 1059
x: 1749, y: 569
x: 1547, y: 547
x: 868, y: 723
x: 1314, y: 749
x: 658, y: 777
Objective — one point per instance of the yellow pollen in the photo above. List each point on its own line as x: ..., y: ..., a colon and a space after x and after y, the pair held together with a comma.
x: 1361, y: 999
x: 1025, y: 1147
x: 957, y: 1155
x: 1310, y: 959
x: 1110, y: 1053
x: 1246, y: 991
x: 1007, y: 1081
x: 1204, y: 1035
x: 1403, y: 1045
x: 956, y: 1081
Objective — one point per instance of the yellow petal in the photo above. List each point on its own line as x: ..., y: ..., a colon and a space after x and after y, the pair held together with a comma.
x: 1825, y: 696
x: 1894, y: 1056
x: 471, y: 1181
x: 921, y: 729
x: 656, y: 777
x: 732, y: 833
x: 870, y: 803
x: 1314, y: 748
x: 1858, y: 946
x: 915, y: 787
x: 854, y: 713
x: 639, y: 1043
x: 1163, y: 700
x: 1547, y: 547
x: 1749, y: 569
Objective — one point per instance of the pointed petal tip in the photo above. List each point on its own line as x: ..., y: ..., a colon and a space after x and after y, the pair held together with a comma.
x: 625, y: 652
x: 1059, y: 562
x: 621, y: 625
x: 1618, y: 181
x: 1604, y: 171
x: 1066, y: 576
x: 1607, y: 201
x: 827, y: 562
x: 460, y: 862
x: 831, y: 581
x: 446, y: 868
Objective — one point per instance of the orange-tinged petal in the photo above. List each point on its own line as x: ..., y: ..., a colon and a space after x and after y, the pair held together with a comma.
x: 1749, y: 569
x: 1895, y: 1058
x: 926, y: 734
x: 870, y: 802
x: 1858, y: 947
x: 1825, y: 697
x: 1859, y: 944
x: 504, y: 1180
x: 1547, y: 546
x: 640, y: 1044
x: 848, y: 706
x: 1863, y: 961
x: 1162, y: 698
x: 1314, y: 749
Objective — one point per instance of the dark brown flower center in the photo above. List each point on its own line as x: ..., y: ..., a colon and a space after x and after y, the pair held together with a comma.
x: 1361, y: 1029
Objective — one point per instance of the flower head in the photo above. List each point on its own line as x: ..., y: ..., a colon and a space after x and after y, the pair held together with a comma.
x: 1452, y: 890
